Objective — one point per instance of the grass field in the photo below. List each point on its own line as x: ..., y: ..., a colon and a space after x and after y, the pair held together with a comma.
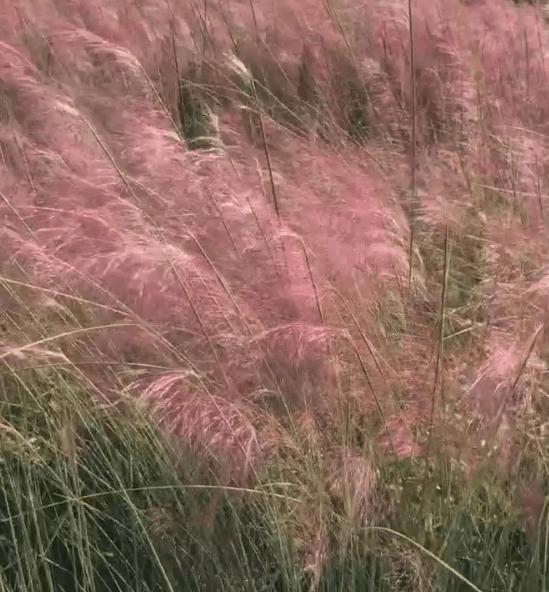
x: 274, y: 295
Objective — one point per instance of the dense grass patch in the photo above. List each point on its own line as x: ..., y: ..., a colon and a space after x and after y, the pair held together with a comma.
x: 274, y: 296
x: 108, y: 505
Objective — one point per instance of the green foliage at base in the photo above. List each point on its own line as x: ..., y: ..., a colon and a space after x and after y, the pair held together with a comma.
x: 112, y: 511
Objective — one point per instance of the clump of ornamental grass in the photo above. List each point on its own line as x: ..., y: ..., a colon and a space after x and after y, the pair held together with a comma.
x: 273, y: 296
x: 94, y: 497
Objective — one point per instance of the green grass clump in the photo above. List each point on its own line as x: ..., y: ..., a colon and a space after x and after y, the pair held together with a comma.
x: 108, y: 510
x: 95, y: 500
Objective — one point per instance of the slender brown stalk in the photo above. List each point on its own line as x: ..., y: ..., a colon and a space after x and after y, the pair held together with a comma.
x: 177, y: 75
x: 440, y: 340
x: 413, y: 155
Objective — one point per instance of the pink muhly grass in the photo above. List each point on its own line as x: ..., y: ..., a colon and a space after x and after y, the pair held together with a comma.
x: 296, y: 358
x: 350, y: 481
x: 220, y: 430
x: 100, y: 198
x: 532, y: 506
